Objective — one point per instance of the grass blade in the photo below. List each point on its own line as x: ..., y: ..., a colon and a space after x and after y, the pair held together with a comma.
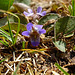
x: 23, y: 44
x: 3, y: 60
x: 59, y: 67
x: 5, y: 35
x: 4, y: 43
x: 18, y: 28
x: 73, y: 7
x: 15, y: 72
x: 3, y: 31
x: 10, y: 31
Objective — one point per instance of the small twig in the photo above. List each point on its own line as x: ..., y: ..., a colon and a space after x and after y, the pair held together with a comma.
x: 26, y: 59
x: 55, y: 73
x: 20, y: 56
x: 34, y: 63
x: 14, y: 59
x: 9, y: 67
x: 7, y: 70
x: 45, y: 71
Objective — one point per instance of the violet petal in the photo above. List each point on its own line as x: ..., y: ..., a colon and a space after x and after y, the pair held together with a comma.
x: 30, y: 11
x: 35, y: 38
x: 25, y: 13
x: 43, y: 13
x: 35, y: 42
x: 39, y: 9
x: 30, y: 14
x: 42, y: 31
x: 39, y: 14
x: 38, y: 27
x: 29, y: 26
x: 26, y: 33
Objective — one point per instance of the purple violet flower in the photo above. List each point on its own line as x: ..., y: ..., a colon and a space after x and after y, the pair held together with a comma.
x: 31, y: 13
x: 34, y: 32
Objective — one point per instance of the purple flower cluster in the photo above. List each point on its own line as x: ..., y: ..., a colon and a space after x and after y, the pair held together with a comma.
x: 34, y: 32
x: 31, y: 13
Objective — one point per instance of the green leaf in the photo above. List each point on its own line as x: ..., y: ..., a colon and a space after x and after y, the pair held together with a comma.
x: 23, y: 20
x: 59, y: 67
x: 47, y: 17
x: 13, y: 19
x: 5, y: 4
x: 60, y: 45
x: 3, y: 21
x: 23, y: 1
x: 14, y: 27
x: 64, y: 25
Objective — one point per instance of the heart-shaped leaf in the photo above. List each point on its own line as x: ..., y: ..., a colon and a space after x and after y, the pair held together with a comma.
x: 12, y: 19
x: 64, y: 26
x: 47, y: 17
x: 23, y: 20
x: 60, y: 45
x: 14, y: 27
